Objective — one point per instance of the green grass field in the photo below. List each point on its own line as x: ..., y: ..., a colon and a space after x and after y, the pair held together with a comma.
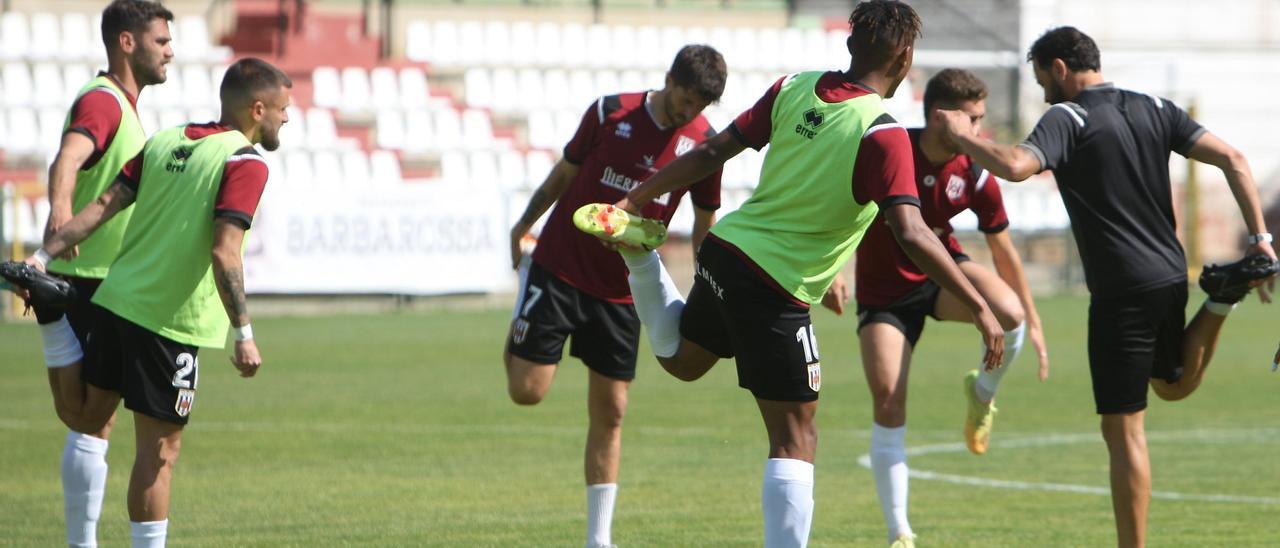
x: 396, y: 430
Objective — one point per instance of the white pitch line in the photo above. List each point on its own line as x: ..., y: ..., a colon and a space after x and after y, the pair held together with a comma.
x: 1243, y: 435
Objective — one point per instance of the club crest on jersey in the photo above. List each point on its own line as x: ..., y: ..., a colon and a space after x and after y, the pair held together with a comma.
x: 812, y: 119
x: 624, y: 130
x: 815, y: 376
x: 683, y: 145
x: 519, y: 331
x: 186, y: 398
x: 955, y: 187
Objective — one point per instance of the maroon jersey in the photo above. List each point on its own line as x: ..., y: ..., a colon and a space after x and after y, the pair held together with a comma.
x: 618, y: 145
x: 884, y: 272
x: 96, y: 115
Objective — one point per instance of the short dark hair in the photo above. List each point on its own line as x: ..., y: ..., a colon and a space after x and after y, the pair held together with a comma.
x: 129, y: 16
x: 953, y: 85
x: 249, y: 78
x: 700, y: 69
x: 878, y: 29
x: 1075, y: 48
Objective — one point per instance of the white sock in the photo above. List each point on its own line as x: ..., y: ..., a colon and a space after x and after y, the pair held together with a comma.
x: 658, y: 302
x: 988, y: 381
x: 84, y: 480
x: 148, y: 534
x: 600, y: 499
x: 61, y: 347
x: 787, y: 500
x: 1221, y: 309
x: 889, y: 465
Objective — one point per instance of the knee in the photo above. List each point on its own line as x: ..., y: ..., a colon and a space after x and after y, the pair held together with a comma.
x: 889, y: 411
x: 609, y: 416
x: 524, y: 395
x: 1010, y: 314
x: 1167, y: 391
x: 683, y: 371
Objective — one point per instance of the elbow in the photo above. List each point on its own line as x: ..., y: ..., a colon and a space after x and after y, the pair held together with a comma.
x: 224, y: 258
x: 912, y: 237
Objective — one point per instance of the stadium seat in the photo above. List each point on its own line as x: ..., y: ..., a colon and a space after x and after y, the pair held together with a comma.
x: 384, y: 168
x: 511, y: 170
x: 630, y: 81
x: 522, y: 50
x: 5, y: 136
x: 471, y: 45
x: 276, y: 175
x: 536, y: 167
x: 744, y: 50
x: 322, y: 131
x: 623, y: 50
x: 497, y: 43
x: 17, y: 84
x: 447, y: 129
x: 15, y: 36
x: 482, y: 169
x: 673, y: 38
x: 837, y: 49
x: 417, y: 41
x: 355, y: 169
x: 198, y: 91
x: 542, y: 129
x: 453, y: 168
x: 419, y: 133
x: 768, y: 48
x: 355, y: 90
x: 567, y: 122
x: 815, y: 47
x: 445, y: 46
x: 149, y: 120
x: 171, y: 117
x: 166, y: 95
x: 644, y: 49
x: 299, y: 173
x: 556, y: 90
x: 477, y: 129
x: 76, y: 44
x: 202, y: 115
x: 27, y: 224
x: 477, y: 87
x: 414, y: 89
x: 531, y: 92
x: 602, y: 46
x: 49, y: 138
x: 389, y: 129
x: 75, y: 76
x: 721, y: 38
x: 607, y: 82
x: 549, y: 49
x: 582, y: 88
x: 791, y: 52
x: 45, y: 37
x: 47, y: 85
x: 384, y: 87
x: 575, y: 46
x: 326, y: 87
x: 328, y: 169
x: 193, y: 32
x: 504, y: 97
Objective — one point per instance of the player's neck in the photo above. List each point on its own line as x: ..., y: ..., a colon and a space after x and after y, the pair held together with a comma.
x: 123, y: 75
x: 653, y: 104
x: 933, y: 148
x: 248, y: 128
x: 1080, y: 81
x: 873, y: 80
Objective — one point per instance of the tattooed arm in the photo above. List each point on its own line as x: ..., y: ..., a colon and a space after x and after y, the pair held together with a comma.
x: 552, y: 188
x: 228, y: 275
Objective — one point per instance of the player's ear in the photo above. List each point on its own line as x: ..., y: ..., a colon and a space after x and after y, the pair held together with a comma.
x: 1059, y: 70
x: 127, y: 41
x: 258, y: 110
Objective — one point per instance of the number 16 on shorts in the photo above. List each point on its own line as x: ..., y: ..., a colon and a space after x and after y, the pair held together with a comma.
x: 808, y: 339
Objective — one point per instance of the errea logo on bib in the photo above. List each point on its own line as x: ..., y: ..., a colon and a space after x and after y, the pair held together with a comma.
x: 179, y: 162
x: 809, y: 127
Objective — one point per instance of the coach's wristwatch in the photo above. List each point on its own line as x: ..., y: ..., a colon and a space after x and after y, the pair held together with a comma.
x: 1261, y: 237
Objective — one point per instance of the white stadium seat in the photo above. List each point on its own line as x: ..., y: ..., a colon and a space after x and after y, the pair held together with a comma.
x: 204, y: 115
x: 536, y: 167
x: 326, y: 87
x: 191, y: 42
x: 389, y: 130
x: 556, y: 90
x: 5, y: 136
x: 470, y: 43
x: 477, y: 129
x: 417, y: 41
x: 168, y: 94
x: 575, y: 47
x: 622, y: 52
x: 355, y: 169
x: 355, y: 90
x: 483, y: 169
x: 477, y: 86
x: 542, y: 129
x: 148, y: 119
x: 744, y: 50
x: 328, y: 169
x: 582, y: 89
x: 45, y: 37
x: 419, y: 133
x: 294, y: 134
x: 768, y: 46
x: 567, y: 122
x: 448, y: 129
x: 549, y: 50
x: 531, y: 92
x: 47, y: 85
x: 607, y: 82
x: 77, y: 44
x: 510, y: 170
x: 17, y: 84
x: 497, y: 43
x: 322, y: 130
x: 414, y: 89
x: 453, y: 168
x: 631, y: 81
x: 648, y: 39
x: 50, y: 136
x: 171, y: 117
x: 384, y: 168
x: 503, y: 95
x: 522, y: 49
x: 445, y: 49
x: 384, y: 87
x: 15, y: 35
x: 299, y: 173
x: 75, y: 76
x: 198, y: 91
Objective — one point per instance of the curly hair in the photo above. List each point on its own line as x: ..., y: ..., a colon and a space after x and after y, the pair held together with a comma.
x: 1075, y: 48
x: 881, y: 28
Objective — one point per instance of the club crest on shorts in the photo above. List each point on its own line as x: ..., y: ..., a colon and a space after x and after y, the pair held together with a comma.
x: 519, y: 330
x: 815, y: 376
x: 187, y: 398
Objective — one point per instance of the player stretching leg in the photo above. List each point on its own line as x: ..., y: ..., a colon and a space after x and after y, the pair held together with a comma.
x: 1109, y: 151
x: 169, y: 292
x: 894, y: 296
x: 575, y: 287
x: 835, y: 160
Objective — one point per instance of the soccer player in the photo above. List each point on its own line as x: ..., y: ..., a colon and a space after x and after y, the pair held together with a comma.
x: 575, y: 286
x: 100, y: 134
x: 894, y: 296
x: 835, y: 160
x: 1109, y: 150
x: 170, y: 292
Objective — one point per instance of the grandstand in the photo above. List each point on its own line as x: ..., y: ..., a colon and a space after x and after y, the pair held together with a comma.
x: 405, y: 100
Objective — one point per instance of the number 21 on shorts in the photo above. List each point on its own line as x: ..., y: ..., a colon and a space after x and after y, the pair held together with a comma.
x: 185, y: 379
x: 808, y: 339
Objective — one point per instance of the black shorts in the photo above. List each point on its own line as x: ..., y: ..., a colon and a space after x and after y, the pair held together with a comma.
x: 1134, y: 338
x: 154, y: 375
x: 907, y: 313
x: 81, y: 312
x: 733, y: 310
x: 606, y: 336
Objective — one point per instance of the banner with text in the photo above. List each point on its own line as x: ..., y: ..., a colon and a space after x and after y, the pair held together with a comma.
x: 412, y: 240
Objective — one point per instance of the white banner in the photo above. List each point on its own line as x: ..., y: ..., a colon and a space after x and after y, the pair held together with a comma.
x: 427, y: 239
